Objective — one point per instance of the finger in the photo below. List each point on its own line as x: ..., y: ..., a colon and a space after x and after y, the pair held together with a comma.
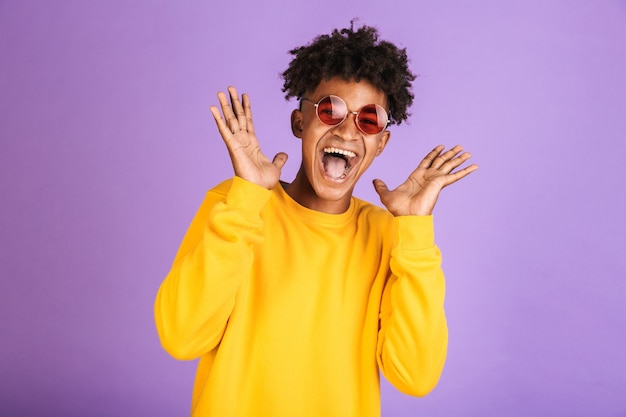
x: 280, y: 159
x: 237, y: 108
x: 430, y: 157
x: 455, y: 176
x: 380, y: 187
x: 248, y: 112
x: 229, y: 115
x: 222, y: 126
x: 446, y: 156
x: 457, y: 161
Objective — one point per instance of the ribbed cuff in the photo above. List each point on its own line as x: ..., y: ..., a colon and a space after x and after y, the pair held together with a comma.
x: 247, y: 196
x: 415, y: 232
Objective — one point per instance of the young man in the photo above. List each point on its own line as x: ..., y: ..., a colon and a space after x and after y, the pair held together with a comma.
x: 295, y: 295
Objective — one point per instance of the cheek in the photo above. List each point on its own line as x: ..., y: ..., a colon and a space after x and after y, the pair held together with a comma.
x: 373, y: 149
x: 311, y: 137
x: 309, y: 149
x: 381, y: 143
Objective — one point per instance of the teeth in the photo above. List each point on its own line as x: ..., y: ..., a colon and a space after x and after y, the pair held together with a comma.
x: 349, y: 154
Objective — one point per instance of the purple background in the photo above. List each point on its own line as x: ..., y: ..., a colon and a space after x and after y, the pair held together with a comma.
x: 107, y: 148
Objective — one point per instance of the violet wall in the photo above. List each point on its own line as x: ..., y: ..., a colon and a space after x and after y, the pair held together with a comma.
x: 107, y: 148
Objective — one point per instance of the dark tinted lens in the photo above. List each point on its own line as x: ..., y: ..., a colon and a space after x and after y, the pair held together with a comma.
x: 372, y: 119
x: 331, y: 110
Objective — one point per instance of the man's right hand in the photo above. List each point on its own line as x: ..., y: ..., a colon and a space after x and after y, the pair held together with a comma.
x: 237, y: 130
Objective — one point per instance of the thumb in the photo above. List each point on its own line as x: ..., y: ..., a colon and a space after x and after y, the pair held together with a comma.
x: 280, y: 159
x: 380, y: 187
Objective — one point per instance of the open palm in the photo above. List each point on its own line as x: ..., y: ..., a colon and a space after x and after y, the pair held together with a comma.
x: 419, y: 193
x: 237, y: 131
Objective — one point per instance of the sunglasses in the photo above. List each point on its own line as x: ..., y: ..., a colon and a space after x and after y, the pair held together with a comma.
x: 332, y: 111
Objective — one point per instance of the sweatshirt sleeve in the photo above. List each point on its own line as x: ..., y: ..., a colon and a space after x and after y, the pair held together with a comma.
x: 413, y: 335
x: 195, y: 299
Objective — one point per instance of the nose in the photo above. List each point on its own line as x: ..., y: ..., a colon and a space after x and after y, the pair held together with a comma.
x: 348, y: 130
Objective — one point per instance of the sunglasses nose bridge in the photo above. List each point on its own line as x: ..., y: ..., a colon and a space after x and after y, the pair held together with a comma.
x: 347, y: 130
x: 355, y: 118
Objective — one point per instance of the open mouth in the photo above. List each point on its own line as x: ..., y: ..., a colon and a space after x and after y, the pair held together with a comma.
x: 337, y: 162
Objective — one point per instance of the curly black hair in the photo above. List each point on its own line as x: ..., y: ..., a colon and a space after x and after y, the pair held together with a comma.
x: 353, y: 55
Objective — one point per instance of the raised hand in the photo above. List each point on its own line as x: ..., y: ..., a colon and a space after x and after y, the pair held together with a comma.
x: 419, y: 193
x: 237, y: 130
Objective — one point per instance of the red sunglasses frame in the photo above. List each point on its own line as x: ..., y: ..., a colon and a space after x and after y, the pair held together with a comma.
x: 334, y: 98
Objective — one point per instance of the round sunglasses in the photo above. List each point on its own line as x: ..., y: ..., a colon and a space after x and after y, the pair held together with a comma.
x: 332, y: 111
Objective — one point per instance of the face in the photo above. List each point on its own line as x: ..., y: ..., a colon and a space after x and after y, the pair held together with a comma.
x: 334, y: 157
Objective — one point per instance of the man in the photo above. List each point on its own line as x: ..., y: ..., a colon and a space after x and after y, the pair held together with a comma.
x: 295, y: 295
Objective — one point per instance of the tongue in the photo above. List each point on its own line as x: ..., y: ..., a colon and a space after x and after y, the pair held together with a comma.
x: 334, y: 166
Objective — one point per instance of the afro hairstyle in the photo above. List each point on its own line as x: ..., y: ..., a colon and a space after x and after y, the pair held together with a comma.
x: 353, y: 55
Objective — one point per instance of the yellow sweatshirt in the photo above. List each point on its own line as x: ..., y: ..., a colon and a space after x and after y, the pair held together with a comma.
x: 292, y: 312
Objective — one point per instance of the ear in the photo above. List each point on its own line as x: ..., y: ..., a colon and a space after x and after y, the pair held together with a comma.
x: 382, y: 141
x: 296, y: 123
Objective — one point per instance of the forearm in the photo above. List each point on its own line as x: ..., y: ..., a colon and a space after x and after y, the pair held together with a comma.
x: 413, y: 337
x: 195, y: 299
